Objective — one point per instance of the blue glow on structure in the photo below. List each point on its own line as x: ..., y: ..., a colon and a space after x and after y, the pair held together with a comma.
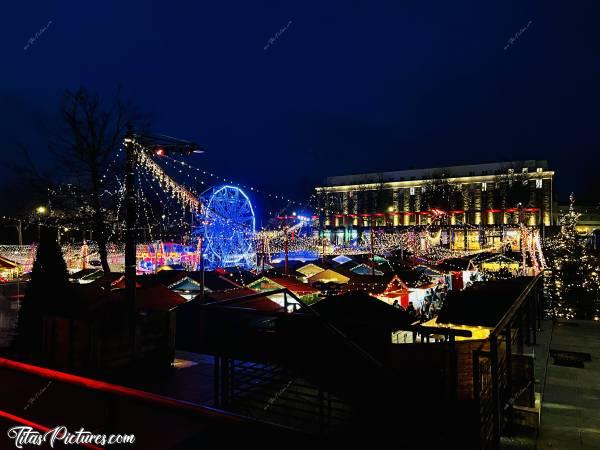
x: 229, y: 225
x: 297, y: 255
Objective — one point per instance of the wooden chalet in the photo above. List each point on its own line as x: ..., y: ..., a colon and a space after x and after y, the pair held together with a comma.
x: 92, y: 334
x: 271, y: 282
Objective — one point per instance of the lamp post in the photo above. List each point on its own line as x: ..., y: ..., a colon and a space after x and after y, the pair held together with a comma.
x: 40, y: 210
x: 20, y: 232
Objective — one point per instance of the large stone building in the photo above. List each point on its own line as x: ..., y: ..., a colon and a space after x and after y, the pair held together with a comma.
x: 482, y: 194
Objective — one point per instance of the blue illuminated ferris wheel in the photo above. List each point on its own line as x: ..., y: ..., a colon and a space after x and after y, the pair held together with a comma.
x: 228, y: 226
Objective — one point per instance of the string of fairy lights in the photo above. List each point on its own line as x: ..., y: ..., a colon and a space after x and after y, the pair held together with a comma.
x: 172, y: 197
x: 572, y: 274
x: 179, y: 193
x: 163, y: 201
x: 198, y: 178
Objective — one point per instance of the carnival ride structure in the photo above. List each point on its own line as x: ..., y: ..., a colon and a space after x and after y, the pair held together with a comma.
x: 223, y: 223
x: 228, y: 226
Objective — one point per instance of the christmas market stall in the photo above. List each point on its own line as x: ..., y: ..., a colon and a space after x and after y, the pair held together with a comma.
x: 462, y: 272
x: 499, y: 262
x: 308, y: 270
x: 493, y: 376
x: 187, y: 287
x: 434, y: 275
x: 272, y: 282
x: 395, y: 291
x: 9, y: 269
x: 364, y: 269
x: 90, y: 332
x: 329, y: 276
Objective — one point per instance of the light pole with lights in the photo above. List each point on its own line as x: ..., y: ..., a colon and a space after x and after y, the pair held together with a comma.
x: 41, y: 211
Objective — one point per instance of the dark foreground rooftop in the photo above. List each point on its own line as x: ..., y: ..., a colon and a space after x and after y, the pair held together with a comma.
x: 482, y: 304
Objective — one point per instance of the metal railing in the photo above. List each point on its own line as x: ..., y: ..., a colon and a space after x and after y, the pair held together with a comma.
x: 493, y: 389
x: 122, y: 408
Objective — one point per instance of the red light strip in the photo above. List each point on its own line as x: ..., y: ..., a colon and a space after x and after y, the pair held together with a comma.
x: 409, y: 213
x: 120, y: 391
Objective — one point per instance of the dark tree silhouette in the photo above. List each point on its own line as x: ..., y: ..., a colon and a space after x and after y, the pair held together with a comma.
x: 512, y: 188
x: 48, y: 291
x: 438, y: 193
x: 92, y: 133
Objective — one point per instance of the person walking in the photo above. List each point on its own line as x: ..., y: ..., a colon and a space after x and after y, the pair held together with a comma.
x: 412, y: 312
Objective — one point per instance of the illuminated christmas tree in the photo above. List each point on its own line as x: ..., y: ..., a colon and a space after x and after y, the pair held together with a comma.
x: 571, y: 278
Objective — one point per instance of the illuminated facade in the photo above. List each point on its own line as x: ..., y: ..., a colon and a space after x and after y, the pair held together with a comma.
x: 481, y: 194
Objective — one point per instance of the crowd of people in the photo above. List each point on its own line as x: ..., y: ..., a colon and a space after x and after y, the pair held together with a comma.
x: 434, y: 299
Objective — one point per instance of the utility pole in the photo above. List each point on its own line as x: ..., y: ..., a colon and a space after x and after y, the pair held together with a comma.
x: 263, y: 254
x: 130, y: 254
x: 286, y: 248
x: 20, y: 232
x: 372, y: 238
x: 134, y: 145
x: 200, y: 245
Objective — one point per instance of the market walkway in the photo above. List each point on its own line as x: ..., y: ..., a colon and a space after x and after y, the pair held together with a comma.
x: 192, y: 380
x: 570, y: 417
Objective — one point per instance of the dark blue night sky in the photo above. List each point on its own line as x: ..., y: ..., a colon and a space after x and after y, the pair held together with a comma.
x: 348, y: 86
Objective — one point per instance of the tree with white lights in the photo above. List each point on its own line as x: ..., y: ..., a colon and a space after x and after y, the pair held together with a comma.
x: 571, y: 278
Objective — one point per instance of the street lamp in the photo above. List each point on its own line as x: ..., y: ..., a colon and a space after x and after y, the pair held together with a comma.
x: 40, y: 210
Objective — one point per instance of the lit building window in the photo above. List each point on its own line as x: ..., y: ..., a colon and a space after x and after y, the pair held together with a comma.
x: 538, y: 183
x: 412, y: 191
x: 539, y: 169
x: 484, y: 187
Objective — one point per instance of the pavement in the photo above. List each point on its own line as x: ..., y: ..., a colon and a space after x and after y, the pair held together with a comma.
x: 570, y: 416
x: 191, y: 380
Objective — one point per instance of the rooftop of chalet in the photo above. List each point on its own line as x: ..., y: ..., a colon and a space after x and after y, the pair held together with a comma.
x: 361, y: 307
x: 482, y: 304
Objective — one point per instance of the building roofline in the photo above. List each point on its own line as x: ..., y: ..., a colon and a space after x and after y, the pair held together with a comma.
x: 453, y: 172
x: 418, y: 182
